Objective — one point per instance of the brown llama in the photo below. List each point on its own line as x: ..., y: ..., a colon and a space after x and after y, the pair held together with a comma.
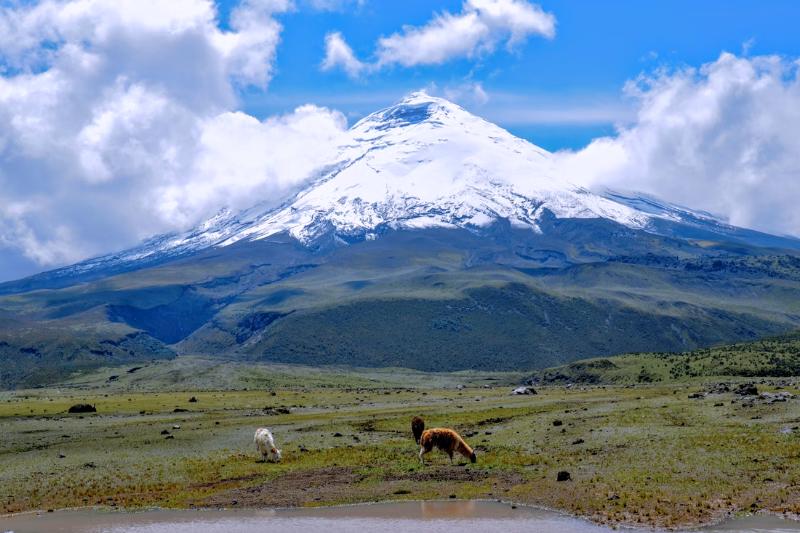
x: 417, y: 427
x: 446, y: 440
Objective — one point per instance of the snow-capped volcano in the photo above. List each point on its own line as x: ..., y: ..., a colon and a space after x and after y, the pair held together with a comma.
x: 426, y: 162
x: 421, y: 163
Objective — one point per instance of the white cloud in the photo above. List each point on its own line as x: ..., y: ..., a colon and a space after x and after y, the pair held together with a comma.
x: 250, y: 48
x: 724, y: 138
x: 335, y: 5
x: 476, y: 30
x: 239, y: 158
x: 467, y: 93
x: 57, y: 246
x: 338, y: 54
x: 116, y: 124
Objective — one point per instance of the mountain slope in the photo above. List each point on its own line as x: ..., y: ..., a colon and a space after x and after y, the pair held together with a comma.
x: 769, y: 357
x: 434, y: 240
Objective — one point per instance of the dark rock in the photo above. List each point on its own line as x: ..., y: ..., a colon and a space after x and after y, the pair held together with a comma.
x: 169, y: 437
x: 697, y: 395
x: 180, y: 410
x: 557, y: 422
x: 113, y: 378
x: 337, y: 434
x: 272, y: 411
x: 772, y: 397
x: 578, y: 441
x: 193, y: 399
x: 165, y: 432
x: 82, y: 408
x: 563, y: 475
x: 746, y: 389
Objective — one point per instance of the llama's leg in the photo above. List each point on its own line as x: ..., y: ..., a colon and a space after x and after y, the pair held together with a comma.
x: 450, y: 453
x: 422, y: 452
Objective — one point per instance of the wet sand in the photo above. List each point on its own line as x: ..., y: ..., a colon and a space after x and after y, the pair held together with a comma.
x: 486, y: 516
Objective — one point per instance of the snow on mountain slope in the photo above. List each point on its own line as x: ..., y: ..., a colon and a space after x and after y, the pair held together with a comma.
x: 658, y: 208
x: 424, y: 162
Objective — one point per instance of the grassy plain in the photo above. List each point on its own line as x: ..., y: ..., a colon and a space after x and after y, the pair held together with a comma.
x: 640, y: 454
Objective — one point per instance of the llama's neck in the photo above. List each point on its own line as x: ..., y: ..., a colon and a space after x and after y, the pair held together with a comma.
x: 463, y: 448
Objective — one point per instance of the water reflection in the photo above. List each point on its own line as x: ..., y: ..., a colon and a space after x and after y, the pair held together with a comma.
x: 444, y: 516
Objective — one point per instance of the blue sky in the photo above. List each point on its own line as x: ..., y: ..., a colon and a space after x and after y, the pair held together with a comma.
x: 577, y: 75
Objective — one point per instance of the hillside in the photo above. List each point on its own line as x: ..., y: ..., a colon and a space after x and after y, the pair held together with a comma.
x: 770, y: 357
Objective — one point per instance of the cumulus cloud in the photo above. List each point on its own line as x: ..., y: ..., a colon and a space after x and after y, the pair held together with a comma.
x: 116, y: 124
x: 338, y: 54
x: 724, y: 137
x: 239, y: 158
x: 250, y: 48
x: 478, y: 29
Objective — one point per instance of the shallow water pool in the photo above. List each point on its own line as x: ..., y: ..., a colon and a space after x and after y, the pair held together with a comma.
x: 484, y: 516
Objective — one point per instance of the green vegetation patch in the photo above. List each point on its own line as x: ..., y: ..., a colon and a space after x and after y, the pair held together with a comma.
x: 771, y: 357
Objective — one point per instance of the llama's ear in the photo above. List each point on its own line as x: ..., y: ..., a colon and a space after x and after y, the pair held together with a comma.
x: 274, y: 450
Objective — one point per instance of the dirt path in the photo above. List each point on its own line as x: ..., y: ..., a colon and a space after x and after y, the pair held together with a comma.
x: 343, y: 484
